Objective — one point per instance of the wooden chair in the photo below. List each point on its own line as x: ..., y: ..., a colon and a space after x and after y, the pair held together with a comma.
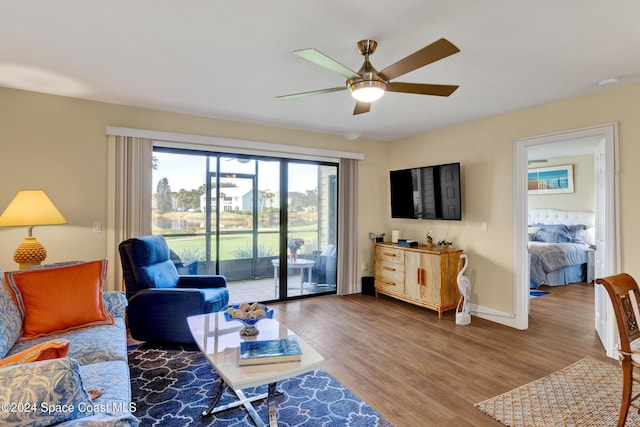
x: 625, y: 296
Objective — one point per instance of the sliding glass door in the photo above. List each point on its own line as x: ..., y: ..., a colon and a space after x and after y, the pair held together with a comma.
x: 245, y: 222
x: 311, y: 227
x: 268, y: 224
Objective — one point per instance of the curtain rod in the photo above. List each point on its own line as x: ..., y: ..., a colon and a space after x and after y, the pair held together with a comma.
x: 211, y: 141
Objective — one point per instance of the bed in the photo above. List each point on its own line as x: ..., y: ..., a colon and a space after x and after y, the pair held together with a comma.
x: 559, y: 246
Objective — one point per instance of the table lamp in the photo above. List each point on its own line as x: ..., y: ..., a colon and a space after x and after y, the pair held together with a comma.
x: 30, y: 208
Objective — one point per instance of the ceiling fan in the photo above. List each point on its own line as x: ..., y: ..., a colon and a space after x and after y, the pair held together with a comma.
x: 368, y: 84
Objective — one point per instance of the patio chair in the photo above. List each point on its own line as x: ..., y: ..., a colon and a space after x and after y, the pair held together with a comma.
x: 325, y: 267
x: 184, y: 267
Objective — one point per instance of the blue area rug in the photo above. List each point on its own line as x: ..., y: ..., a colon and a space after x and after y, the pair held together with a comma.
x: 172, y: 385
x: 536, y: 294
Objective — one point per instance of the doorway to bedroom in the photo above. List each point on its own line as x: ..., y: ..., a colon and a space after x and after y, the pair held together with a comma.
x: 560, y: 213
x: 592, y: 148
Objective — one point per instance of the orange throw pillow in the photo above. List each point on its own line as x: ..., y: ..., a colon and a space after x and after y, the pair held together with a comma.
x: 53, y: 349
x: 59, y: 299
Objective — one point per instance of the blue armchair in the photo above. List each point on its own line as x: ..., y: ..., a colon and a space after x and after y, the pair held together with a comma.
x: 160, y: 300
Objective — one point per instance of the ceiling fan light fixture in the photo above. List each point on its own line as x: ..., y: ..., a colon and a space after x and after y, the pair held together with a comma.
x: 367, y: 90
x: 367, y: 85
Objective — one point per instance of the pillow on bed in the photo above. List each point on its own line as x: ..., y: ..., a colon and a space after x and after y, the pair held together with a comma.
x: 576, y: 232
x: 566, y: 233
x: 559, y: 228
x: 552, y: 233
x: 552, y: 237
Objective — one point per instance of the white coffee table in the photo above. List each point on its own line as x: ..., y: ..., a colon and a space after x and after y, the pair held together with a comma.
x: 219, y: 341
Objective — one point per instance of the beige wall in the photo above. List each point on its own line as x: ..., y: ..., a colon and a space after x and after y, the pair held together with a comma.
x: 59, y: 144
x: 485, y: 149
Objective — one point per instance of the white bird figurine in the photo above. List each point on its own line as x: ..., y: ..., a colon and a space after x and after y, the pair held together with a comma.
x: 463, y: 315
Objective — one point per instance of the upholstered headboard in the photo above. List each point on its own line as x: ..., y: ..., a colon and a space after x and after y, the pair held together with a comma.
x: 556, y: 216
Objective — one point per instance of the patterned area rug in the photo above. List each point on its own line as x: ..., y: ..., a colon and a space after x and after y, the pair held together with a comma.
x: 585, y: 394
x: 171, y: 386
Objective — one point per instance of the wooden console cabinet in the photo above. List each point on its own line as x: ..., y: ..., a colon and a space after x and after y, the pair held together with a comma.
x: 418, y: 275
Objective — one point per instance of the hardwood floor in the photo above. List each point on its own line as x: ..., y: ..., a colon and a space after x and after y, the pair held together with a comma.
x: 417, y: 370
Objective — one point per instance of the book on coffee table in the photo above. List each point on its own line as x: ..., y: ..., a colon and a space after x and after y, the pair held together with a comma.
x: 282, y: 350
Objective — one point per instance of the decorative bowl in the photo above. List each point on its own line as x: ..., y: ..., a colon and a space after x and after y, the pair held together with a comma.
x: 250, y: 328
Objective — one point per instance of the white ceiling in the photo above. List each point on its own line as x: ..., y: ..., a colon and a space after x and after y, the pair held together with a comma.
x: 230, y: 59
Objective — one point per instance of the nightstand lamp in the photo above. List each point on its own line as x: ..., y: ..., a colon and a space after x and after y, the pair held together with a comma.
x: 30, y: 208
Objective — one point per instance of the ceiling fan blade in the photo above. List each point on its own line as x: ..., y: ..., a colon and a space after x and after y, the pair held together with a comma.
x: 421, y: 88
x: 324, y: 61
x: 313, y: 92
x: 361, y: 107
x: 428, y: 54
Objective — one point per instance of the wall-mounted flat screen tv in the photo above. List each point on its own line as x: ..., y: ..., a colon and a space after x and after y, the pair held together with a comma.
x: 429, y: 192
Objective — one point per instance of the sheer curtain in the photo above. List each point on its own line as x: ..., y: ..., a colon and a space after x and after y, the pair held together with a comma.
x: 348, y: 227
x: 129, y: 197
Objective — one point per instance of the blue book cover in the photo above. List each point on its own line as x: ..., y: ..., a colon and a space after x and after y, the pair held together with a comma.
x: 271, y: 351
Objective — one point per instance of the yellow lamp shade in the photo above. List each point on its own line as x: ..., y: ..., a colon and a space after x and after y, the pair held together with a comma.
x: 31, y: 207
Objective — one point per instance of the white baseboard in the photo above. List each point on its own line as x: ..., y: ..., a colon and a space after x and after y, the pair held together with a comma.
x: 507, y: 319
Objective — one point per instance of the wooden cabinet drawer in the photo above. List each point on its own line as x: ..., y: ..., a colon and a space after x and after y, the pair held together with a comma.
x: 389, y: 277
x: 389, y: 284
x: 390, y: 271
x: 390, y: 255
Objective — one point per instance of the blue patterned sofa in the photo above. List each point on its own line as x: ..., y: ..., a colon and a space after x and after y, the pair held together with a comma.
x: 59, y: 391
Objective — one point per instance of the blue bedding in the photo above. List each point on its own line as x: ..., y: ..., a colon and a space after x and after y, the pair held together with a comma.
x: 546, y: 258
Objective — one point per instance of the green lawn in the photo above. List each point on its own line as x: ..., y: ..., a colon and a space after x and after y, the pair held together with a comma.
x: 232, y: 244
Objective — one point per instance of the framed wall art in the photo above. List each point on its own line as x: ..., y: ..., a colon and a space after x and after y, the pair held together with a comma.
x: 551, y: 180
